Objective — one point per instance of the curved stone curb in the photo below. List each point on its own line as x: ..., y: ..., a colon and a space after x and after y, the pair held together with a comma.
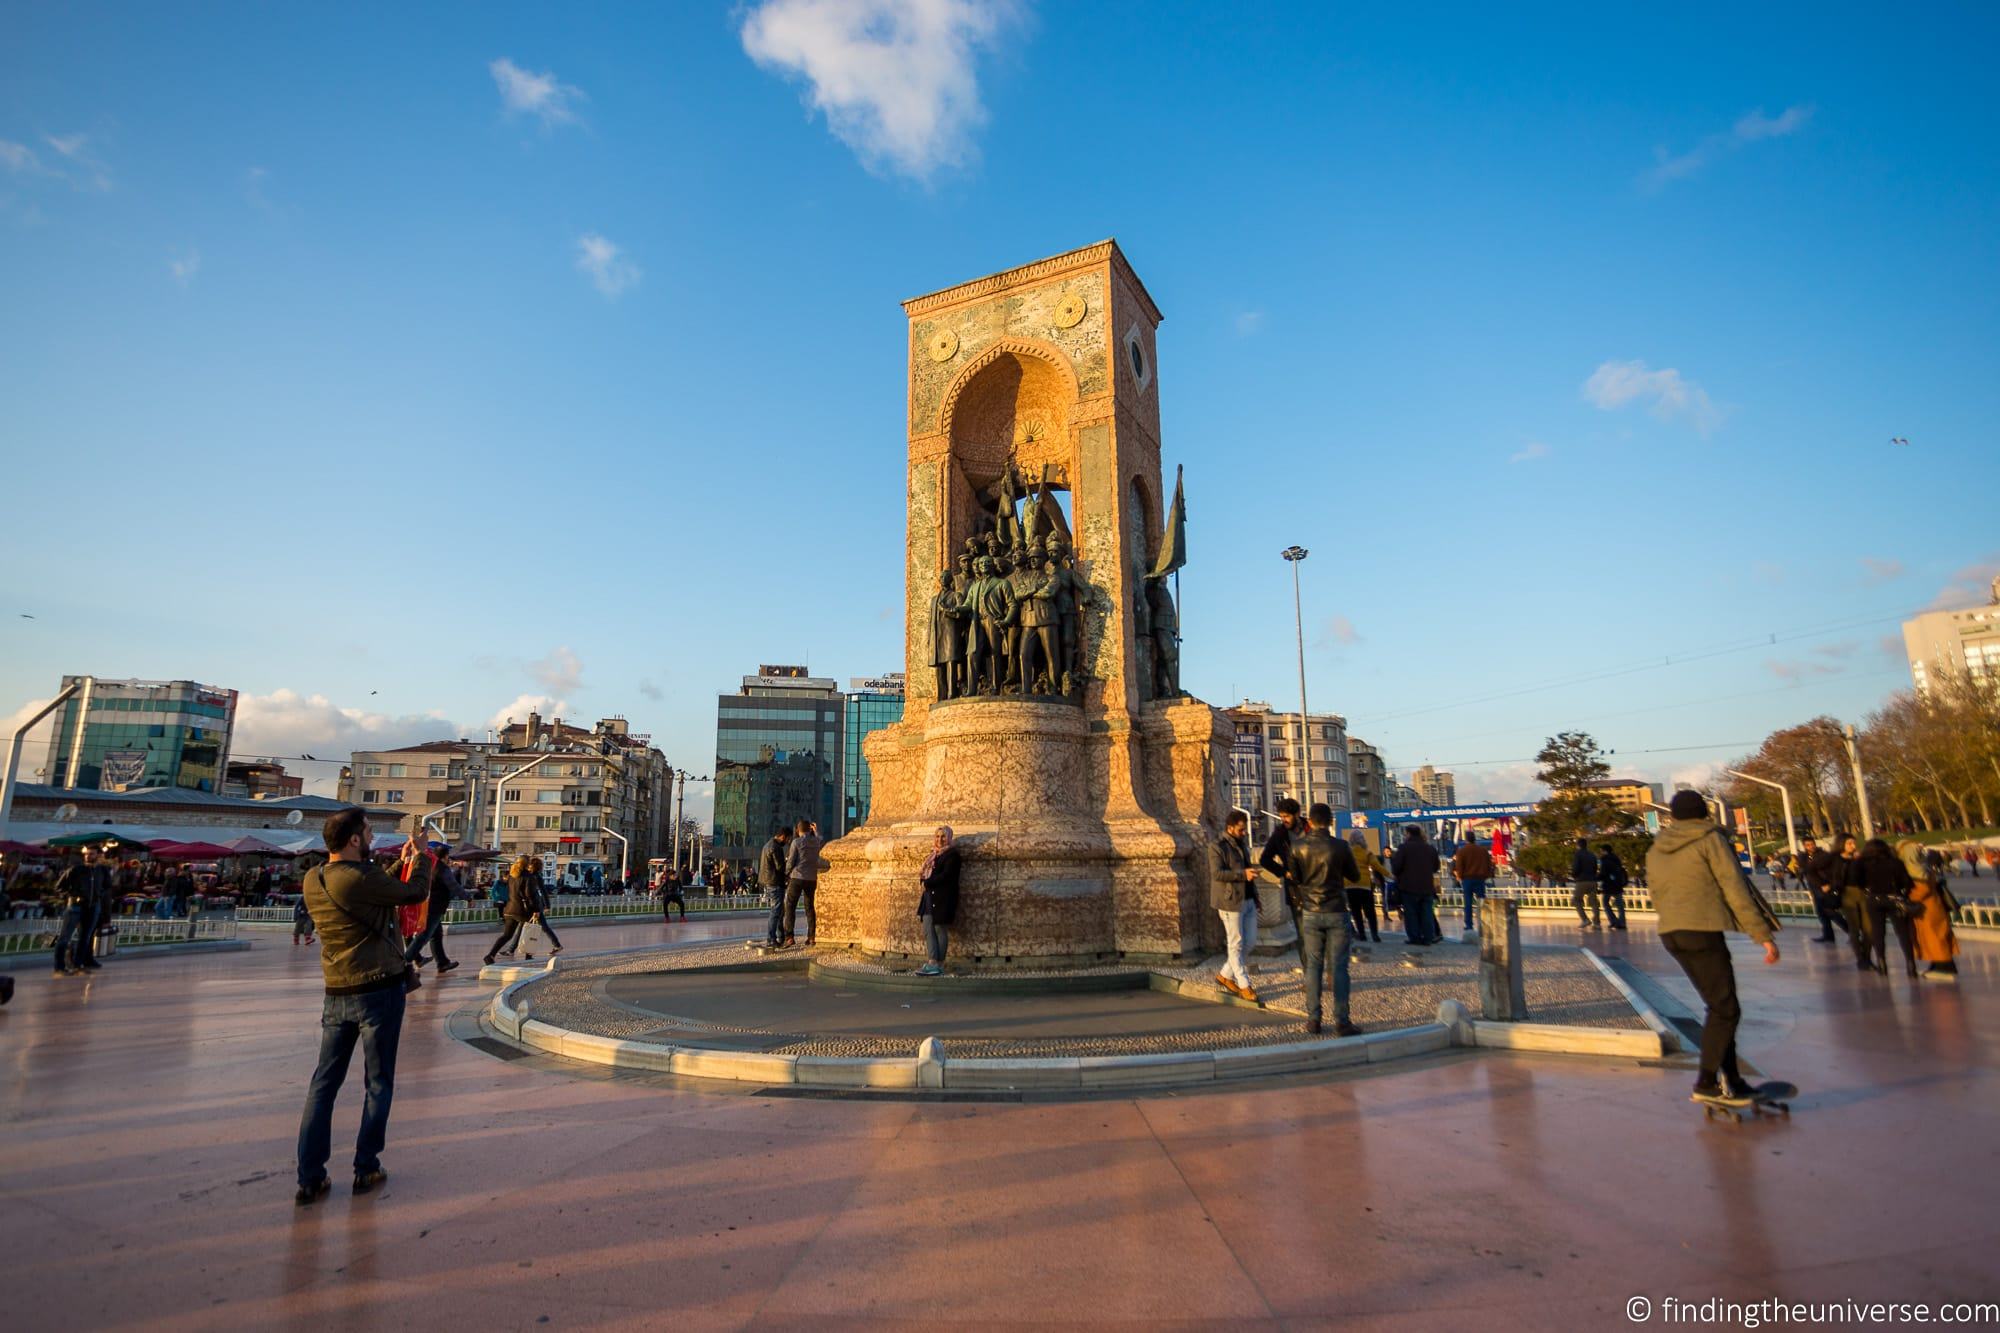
x: 510, y: 1013
x: 976, y: 983
x: 1670, y: 1040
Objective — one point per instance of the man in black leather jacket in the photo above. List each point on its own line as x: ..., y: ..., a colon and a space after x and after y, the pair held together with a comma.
x: 1317, y: 873
x: 85, y: 891
x: 1816, y: 867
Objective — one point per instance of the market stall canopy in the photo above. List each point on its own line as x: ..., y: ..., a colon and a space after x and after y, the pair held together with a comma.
x: 256, y: 847
x: 474, y: 854
x: 100, y: 837
x: 192, y: 851
x: 8, y: 847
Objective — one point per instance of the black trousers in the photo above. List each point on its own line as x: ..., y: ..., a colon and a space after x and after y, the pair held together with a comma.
x: 1361, y: 906
x: 1826, y: 906
x: 1880, y: 916
x: 1864, y: 924
x: 1704, y: 956
x: 509, y: 930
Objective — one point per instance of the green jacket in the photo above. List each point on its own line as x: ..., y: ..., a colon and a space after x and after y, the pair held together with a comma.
x: 361, y: 948
x: 1698, y: 885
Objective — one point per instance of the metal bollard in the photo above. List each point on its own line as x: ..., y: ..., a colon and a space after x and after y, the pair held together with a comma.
x: 1502, y: 996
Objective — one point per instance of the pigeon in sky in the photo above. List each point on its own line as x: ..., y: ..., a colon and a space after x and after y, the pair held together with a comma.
x: 1898, y: 439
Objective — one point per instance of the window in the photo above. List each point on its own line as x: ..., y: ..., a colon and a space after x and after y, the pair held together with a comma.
x: 371, y: 797
x: 516, y: 794
x: 439, y: 770
x: 548, y: 796
x: 547, y: 821
x: 371, y: 770
x: 397, y: 771
x: 393, y: 796
x: 510, y: 821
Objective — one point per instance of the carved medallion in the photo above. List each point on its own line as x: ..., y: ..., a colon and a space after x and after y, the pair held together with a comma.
x: 1070, y: 313
x: 943, y: 345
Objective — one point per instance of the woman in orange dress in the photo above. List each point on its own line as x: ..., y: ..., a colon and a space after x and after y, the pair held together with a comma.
x: 1937, y: 943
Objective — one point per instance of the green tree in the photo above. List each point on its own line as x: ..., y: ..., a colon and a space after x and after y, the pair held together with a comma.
x: 1570, y: 763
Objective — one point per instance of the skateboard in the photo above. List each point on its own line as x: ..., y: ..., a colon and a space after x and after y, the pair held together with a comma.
x: 1765, y: 1099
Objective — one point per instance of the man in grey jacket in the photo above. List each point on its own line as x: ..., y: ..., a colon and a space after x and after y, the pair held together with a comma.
x: 1699, y: 892
x: 802, y: 878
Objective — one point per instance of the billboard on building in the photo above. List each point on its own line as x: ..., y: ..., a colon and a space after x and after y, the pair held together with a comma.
x: 121, y: 770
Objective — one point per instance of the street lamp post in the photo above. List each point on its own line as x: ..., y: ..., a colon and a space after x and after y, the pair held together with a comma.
x: 500, y: 791
x: 14, y: 750
x: 1785, y: 794
x: 1293, y: 555
x: 624, y: 853
x: 1860, y: 784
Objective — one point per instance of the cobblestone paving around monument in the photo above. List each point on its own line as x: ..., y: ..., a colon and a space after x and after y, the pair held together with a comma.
x: 1562, y: 987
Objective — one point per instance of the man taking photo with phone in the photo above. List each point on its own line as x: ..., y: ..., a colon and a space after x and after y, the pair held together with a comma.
x: 353, y: 903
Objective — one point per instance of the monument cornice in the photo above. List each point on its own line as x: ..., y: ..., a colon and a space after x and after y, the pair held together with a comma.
x: 1088, y: 256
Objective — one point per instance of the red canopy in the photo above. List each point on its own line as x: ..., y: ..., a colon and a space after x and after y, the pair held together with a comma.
x: 191, y: 851
x: 8, y: 847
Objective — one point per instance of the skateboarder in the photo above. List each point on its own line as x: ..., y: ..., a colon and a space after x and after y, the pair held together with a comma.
x: 1700, y: 893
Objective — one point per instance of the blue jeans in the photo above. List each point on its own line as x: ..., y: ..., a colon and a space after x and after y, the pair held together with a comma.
x: 774, y: 933
x: 1474, y: 890
x: 937, y: 939
x: 376, y: 1021
x: 1323, y: 938
x: 1420, y: 918
x: 76, y: 946
x: 1614, y: 907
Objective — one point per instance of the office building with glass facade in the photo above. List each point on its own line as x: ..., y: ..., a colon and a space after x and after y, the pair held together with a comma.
x: 124, y: 735
x: 873, y: 702
x: 777, y: 759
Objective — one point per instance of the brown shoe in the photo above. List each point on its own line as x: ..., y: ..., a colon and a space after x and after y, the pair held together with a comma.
x: 1224, y: 983
x: 1249, y: 993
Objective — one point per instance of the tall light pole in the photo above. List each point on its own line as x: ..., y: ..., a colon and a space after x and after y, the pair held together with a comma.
x: 500, y: 793
x: 1860, y: 784
x: 20, y: 736
x: 1293, y: 555
x: 1785, y: 793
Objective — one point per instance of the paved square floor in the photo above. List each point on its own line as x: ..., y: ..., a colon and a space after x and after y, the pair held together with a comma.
x: 147, y: 1120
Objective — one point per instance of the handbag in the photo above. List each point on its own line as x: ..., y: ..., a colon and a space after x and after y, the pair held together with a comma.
x: 1947, y: 897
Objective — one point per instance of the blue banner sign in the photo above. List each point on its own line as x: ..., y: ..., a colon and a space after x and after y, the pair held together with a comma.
x: 1361, y: 819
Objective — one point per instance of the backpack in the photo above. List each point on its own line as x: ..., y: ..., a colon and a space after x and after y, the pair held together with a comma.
x: 497, y: 895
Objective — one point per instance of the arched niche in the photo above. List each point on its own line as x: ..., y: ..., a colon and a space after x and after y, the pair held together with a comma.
x: 1012, y: 404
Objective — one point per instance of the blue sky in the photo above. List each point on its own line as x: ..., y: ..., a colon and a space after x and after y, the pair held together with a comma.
x: 569, y: 344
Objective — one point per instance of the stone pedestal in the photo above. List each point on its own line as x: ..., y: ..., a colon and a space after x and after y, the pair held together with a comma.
x: 1080, y: 845
x: 1502, y: 995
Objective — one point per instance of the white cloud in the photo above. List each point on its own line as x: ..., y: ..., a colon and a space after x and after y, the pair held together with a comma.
x: 1971, y: 585
x: 547, y: 705
x: 1249, y: 322
x: 1534, y: 449
x: 1756, y: 125
x: 1750, y: 128
x: 894, y: 78
x: 560, y: 672
x: 1666, y: 392
x: 1794, y: 672
x: 1337, y: 632
x: 1882, y: 571
x: 652, y: 690
x: 35, y: 745
x: 610, y: 271
x: 284, y: 723
x: 184, y: 266
x: 18, y: 156
x: 543, y: 96
x: 1497, y: 782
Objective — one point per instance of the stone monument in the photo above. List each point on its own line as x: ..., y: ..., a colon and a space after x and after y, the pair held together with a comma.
x: 1044, y: 721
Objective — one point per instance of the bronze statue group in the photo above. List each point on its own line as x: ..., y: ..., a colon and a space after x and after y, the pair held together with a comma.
x: 1007, y: 618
